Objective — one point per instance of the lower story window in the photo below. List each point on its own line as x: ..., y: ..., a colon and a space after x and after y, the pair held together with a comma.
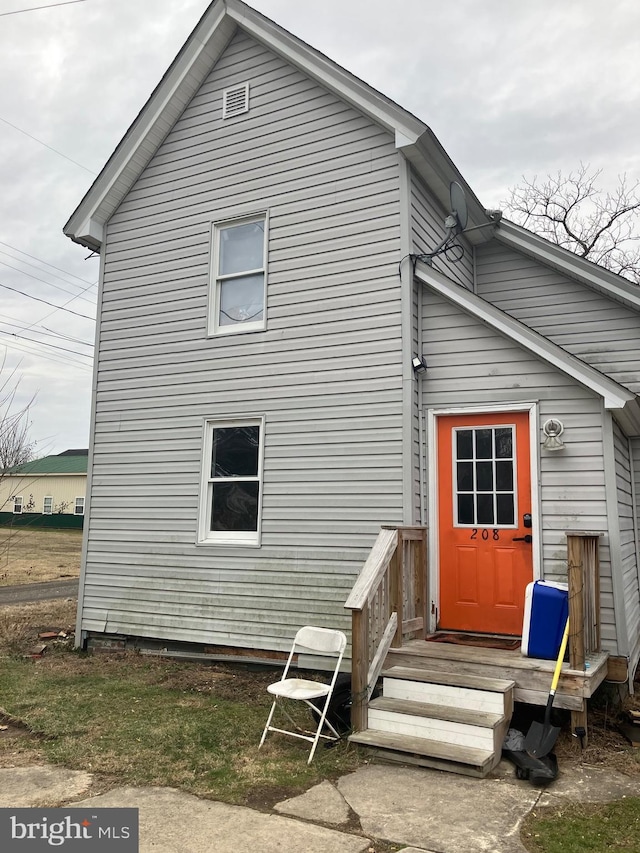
x: 47, y: 506
x: 17, y: 505
x: 79, y: 507
x: 230, y: 511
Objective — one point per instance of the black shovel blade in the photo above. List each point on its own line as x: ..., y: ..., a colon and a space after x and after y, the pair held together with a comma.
x: 540, y: 739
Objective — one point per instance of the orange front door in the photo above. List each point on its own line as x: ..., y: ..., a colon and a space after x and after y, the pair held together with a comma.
x: 484, y: 506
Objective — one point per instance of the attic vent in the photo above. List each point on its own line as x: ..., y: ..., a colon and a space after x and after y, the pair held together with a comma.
x: 235, y: 100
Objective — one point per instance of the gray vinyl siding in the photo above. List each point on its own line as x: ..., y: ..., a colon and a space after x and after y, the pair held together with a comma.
x: 427, y: 227
x: 326, y: 374
x: 489, y: 368
x: 628, y: 543
x: 600, y: 331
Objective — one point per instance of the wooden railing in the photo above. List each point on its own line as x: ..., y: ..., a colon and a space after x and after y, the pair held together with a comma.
x: 388, y: 605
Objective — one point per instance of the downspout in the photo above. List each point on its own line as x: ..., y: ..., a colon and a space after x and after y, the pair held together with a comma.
x: 408, y: 377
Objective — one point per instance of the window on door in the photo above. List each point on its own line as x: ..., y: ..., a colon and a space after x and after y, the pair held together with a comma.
x: 484, y: 476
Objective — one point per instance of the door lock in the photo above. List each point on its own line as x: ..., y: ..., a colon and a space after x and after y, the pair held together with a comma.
x: 528, y: 538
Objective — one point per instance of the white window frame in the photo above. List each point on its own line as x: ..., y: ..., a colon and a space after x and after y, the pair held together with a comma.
x: 48, y: 511
x: 215, y: 328
x: 79, y: 501
x: 206, y: 536
x: 18, y: 504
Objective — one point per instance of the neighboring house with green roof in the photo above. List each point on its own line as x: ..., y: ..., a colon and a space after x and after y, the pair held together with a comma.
x: 43, y: 490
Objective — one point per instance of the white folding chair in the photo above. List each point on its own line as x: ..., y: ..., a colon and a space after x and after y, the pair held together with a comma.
x: 321, y: 641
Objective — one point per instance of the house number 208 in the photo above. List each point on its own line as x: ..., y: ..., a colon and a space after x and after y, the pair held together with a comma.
x: 485, y: 534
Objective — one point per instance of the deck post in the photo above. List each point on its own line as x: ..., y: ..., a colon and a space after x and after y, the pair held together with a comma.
x: 396, y: 568
x: 359, y: 669
x: 575, y: 571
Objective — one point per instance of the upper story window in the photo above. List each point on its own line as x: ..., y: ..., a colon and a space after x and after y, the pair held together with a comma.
x: 239, y: 276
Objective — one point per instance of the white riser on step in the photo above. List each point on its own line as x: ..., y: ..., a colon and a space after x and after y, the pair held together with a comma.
x: 444, y: 694
x: 444, y: 731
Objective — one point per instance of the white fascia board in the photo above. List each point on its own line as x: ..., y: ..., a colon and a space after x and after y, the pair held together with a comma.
x: 335, y: 78
x: 437, y: 170
x: 615, y: 396
x: 86, y: 224
x: 549, y: 253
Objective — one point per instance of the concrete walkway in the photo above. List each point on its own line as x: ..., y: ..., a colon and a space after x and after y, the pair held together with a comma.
x: 411, y: 808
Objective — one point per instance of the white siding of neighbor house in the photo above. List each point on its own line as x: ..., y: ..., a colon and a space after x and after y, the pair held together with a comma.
x: 628, y: 514
x: 326, y: 373
x: 471, y: 364
x: 600, y: 331
x: 63, y: 488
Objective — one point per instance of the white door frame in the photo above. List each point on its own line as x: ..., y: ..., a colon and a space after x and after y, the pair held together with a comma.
x: 433, y: 488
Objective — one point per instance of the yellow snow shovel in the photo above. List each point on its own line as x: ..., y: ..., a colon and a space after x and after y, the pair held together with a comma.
x: 541, y: 737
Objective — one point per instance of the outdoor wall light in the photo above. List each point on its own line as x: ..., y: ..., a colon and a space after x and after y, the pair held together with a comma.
x: 552, y: 429
x: 419, y: 364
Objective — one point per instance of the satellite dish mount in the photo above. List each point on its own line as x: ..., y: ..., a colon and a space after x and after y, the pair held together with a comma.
x: 455, y: 223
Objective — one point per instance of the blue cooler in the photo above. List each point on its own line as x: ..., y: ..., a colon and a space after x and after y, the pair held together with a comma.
x: 546, y: 609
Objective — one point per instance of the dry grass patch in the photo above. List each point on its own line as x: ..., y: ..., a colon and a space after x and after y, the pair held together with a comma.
x: 30, y: 555
x: 20, y: 624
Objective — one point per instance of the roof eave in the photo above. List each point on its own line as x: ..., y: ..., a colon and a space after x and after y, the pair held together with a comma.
x: 618, y: 399
x: 437, y: 170
x: 183, y: 79
x: 596, y: 277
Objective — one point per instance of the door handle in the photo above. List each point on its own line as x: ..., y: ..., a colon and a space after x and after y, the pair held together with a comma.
x: 528, y: 538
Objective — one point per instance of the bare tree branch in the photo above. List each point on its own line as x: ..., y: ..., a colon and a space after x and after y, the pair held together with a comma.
x: 15, y: 445
x: 575, y: 213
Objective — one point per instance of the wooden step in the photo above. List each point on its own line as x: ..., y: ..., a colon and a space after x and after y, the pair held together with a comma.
x: 473, y: 693
x: 475, y: 682
x: 436, y: 722
x: 468, y: 761
x: 463, y: 716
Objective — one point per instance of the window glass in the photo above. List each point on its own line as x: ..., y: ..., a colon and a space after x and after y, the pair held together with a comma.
x: 235, y: 451
x: 241, y: 248
x: 484, y: 476
x: 234, y: 506
x: 241, y: 300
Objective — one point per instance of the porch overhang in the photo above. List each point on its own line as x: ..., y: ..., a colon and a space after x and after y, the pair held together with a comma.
x: 622, y: 403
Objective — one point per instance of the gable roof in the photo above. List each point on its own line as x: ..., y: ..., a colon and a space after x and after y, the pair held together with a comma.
x: 188, y: 71
x: 68, y: 462
x: 624, y: 404
x: 596, y: 277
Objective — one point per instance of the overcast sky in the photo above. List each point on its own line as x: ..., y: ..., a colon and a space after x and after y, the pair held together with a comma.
x: 510, y: 89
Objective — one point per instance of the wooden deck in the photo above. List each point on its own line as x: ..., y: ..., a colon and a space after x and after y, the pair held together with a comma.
x: 532, y: 676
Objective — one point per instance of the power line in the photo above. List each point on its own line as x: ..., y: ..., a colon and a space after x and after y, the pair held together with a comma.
x: 37, y: 8
x: 20, y: 324
x: 45, y: 344
x: 55, y: 150
x: 12, y: 344
x: 57, y: 307
x: 49, y: 283
x: 46, y: 263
